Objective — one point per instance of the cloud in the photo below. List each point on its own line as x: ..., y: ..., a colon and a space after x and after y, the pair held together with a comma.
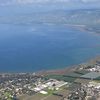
x: 8, y: 2
x: 40, y: 1
x: 90, y: 1
x: 54, y: 1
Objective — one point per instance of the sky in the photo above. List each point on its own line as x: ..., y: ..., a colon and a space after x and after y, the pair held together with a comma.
x: 8, y: 2
x: 7, y: 6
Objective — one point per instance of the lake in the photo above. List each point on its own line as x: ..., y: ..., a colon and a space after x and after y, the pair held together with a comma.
x: 44, y: 46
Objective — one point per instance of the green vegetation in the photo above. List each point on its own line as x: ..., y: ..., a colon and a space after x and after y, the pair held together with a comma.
x: 8, y: 95
x: 74, y: 75
x: 70, y: 77
x: 50, y: 91
x: 98, y: 79
x: 82, y: 72
x: 61, y: 77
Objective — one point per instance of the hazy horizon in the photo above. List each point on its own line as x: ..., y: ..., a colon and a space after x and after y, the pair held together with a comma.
x: 13, y: 7
x: 71, y: 4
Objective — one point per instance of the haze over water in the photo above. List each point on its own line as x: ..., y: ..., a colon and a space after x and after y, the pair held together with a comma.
x: 43, y: 46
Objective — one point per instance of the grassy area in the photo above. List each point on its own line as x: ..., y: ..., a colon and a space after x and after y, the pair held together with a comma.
x: 82, y: 72
x: 61, y: 78
x: 50, y: 91
x: 8, y: 95
x: 74, y: 75
x: 98, y: 79
x: 48, y: 96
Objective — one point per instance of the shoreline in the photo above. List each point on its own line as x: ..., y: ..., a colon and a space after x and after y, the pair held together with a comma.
x: 70, y: 68
x: 73, y: 67
x: 60, y: 71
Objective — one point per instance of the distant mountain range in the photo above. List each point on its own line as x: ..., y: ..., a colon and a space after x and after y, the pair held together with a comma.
x: 77, y: 17
x: 89, y: 18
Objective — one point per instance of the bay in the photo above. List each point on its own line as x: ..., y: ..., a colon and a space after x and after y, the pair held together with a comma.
x: 35, y: 47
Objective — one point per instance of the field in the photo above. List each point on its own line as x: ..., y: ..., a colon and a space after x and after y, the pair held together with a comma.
x: 50, y: 96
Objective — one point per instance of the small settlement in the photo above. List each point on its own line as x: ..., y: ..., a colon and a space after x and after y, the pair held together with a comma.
x: 82, y: 83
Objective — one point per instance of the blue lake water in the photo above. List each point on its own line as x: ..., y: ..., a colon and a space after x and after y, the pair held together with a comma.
x: 35, y: 47
x: 44, y: 46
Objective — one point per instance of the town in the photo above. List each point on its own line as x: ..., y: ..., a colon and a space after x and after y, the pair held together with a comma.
x: 82, y: 83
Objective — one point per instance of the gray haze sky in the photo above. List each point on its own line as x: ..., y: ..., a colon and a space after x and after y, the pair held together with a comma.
x: 8, y: 6
x: 8, y: 2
